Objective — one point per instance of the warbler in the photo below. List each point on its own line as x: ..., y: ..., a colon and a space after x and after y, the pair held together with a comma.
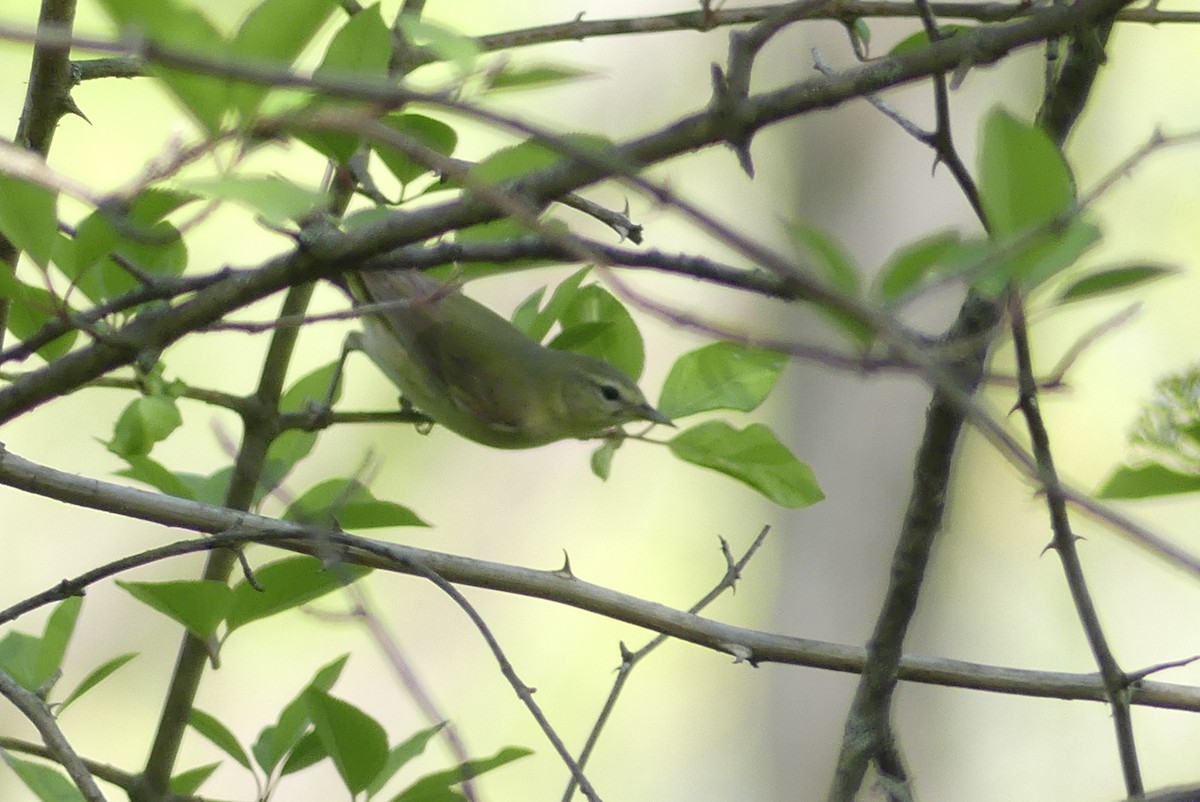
x: 477, y: 374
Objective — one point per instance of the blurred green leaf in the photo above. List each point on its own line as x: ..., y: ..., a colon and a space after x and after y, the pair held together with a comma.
x: 828, y: 255
x: 1037, y: 258
x: 602, y: 458
x: 20, y: 655
x: 535, y: 76
x: 753, y: 456
x: 137, y: 234
x: 535, y: 320
x: 434, y: 786
x: 48, y: 784
x: 446, y: 43
x: 275, y: 31
x: 1024, y: 181
x: 1115, y: 279
x: 1148, y: 480
x: 97, y: 675
x: 401, y: 755
x: 219, y: 735
x: 59, y: 629
x: 29, y: 309
x: 433, y: 134
x: 29, y: 217
x: 361, y: 48
x: 920, y: 39
x: 287, y: 583
x: 308, y: 751
x: 355, y: 742
x: 147, y: 471
x: 909, y: 266
x: 282, y: 738
x: 530, y: 156
x: 169, y: 23
x: 147, y: 420
x: 351, y: 505
x: 275, y: 199
x: 200, y: 605
x: 721, y: 375
x: 187, y: 783
x: 594, y: 322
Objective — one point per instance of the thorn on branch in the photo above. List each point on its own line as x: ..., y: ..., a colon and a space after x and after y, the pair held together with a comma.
x: 741, y: 653
x: 565, y: 572
x: 726, y: 114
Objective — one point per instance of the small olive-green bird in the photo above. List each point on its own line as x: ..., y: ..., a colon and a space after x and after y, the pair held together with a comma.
x: 477, y: 374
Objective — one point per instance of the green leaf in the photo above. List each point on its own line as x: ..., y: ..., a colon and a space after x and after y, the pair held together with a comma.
x: 275, y: 30
x: 861, y: 31
x: 351, y: 505
x: 146, y: 421
x: 29, y: 217
x: 1024, y: 182
x: 753, y: 456
x: 433, y: 134
x: 277, y: 200
x: 308, y: 751
x: 445, y: 43
x: 200, y: 605
x: 910, y: 265
x: 187, y: 783
x: 595, y: 322
x: 287, y: 583
x: 535, y: 76
x: 530, y: 156
x: 356, y: 743
x: 148, y: 471
x: 1038, y: 259
x: 276, y: 741
x: 98, y: 675
x: 20, y: 654
x: 137, y: 234
x: 181, y: 27
x: 1115, y: 279
x: 920, y: 39
x: 722, y: 375
x: 219, y: 735
x: 31, y: 308
x: 48, y: 784
x: 401, y: 755
x: 435, y: 786
x: 602, y: 458
x: 362, y: 48
x: 211, y: 489
x: 310, y: 388
x: 828, y: 255
x: 59, y: 629
x: 537, y: 322
x: 1148, y: 480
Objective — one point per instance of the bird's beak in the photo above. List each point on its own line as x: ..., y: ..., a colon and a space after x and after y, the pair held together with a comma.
x: 651, y: 414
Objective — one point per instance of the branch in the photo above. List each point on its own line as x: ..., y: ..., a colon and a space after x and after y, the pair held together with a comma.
x: 406, y: 227
x: 630, y: 660
x: 753, y: 646
x: 1115, y: 681
x: 34, y: 709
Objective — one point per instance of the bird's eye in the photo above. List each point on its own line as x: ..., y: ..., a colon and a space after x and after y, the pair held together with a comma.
x: 610, y: 392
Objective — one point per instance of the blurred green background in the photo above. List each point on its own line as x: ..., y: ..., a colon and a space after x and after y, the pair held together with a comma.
x: 692, y: 725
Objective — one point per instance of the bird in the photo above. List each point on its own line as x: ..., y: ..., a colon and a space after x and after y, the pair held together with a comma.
x: 472, y: 371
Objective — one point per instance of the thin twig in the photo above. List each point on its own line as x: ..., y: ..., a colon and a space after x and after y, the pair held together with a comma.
x: 35, y: 709
x: 523, y: 691
x: 629, y: 660
x: 1115, y: 681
